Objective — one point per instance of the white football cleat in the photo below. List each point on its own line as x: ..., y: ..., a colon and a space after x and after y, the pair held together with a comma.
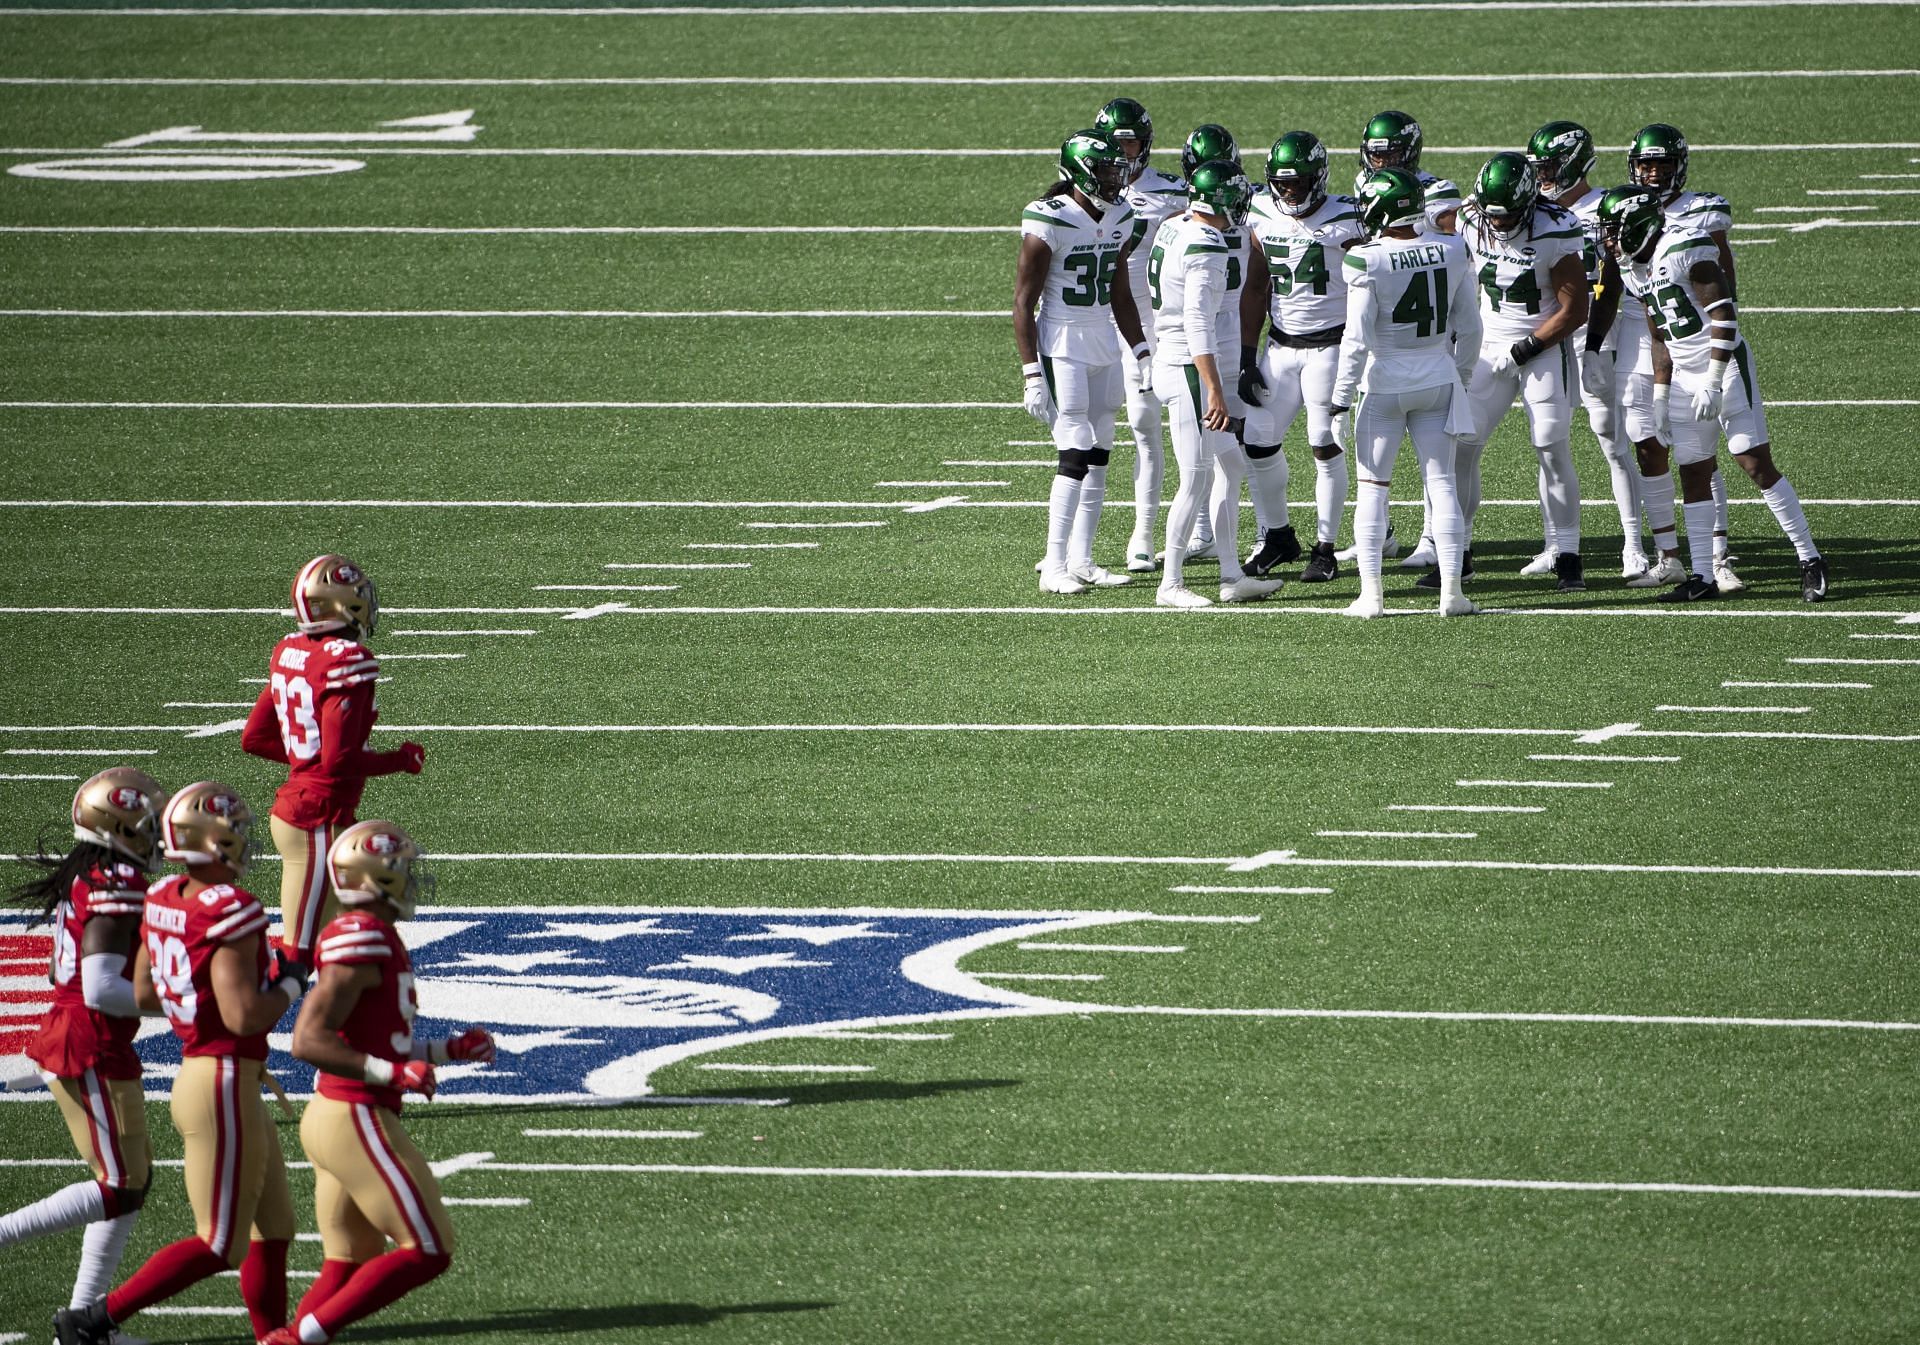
x: 1724, y: 576
x: 1059, y: 581
x: 1540, y: 564
x: 1095, y: 576
x: 1202, y: 549
x: 1633, y: 561
x: 1459, y: 605
x: 1389, y: 548
x: 1367, y: 605
x: 1248, y: 589
x: 1179, y: 595
x: 1422, y: 557
x: 1662, y: 573
x: 1040, y: 566
x: 1140, y: 557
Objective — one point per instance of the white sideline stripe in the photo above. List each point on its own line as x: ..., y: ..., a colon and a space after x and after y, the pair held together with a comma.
x: 1462, y: 808
x: 661, y: 314
x: 1534, y: 784
x: 41, y: 777
x: 1102, y: 947
x: 788, y: 1069
x: 985, y: 81
x: 1864, y: 662
x: 608, y: 588
x: 477, y: 1202
x: 1407, y: 835
x: 1735, y: 709
x: 463, y: 632
x: 211, y: 705
x: 1215, y: 1179
x: 1884, y: 637
x: 1036, y: 976
x: 1575, y: 756
x: 1204, y: 889
x: 82, y: 751
x: 753, y: 546
x: 881, y: 524
x: 680, y: 565
x: 615, y: 1134
x: 650, y: 406
x: 1541, y: 866
x: 1805, y: 686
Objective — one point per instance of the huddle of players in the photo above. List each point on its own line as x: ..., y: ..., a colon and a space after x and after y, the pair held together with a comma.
x: 1534, y: 283
x: 193, y: 947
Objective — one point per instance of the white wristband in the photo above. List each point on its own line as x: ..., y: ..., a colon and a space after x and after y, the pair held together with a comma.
x: 433, y: 1052
x: 377, y: 1072
x: 1661, y: 391
x: 1031, y: 370
x: 292, y: 987
x: 1141, y: 351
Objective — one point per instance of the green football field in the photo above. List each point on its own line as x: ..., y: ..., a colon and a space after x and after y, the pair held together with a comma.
x: 1544, y: 976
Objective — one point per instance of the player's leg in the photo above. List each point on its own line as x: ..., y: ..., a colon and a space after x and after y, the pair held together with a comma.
x: 119, y: 1161
x: 104, y: 1243
x: 1652, y: 462
x: 1604, y: 417
x: 263, y: 1275
x: 1745, y: 422
x: 1546, y: 388
x: 1266, y: 428
x: 1191, y: 453
x: 348, y: 1239
x: 306, y: 902
x: 1379, y: 422
x: 1072, y: 438
x: 1149, y: 465
x: 1695, y: 442
x: 1427, y: 427
x: 1104, y: 392
x: 1329, y: 464
x: 1489, y: 396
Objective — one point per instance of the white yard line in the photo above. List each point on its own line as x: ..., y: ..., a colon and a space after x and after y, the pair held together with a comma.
x: 1868, y: 191
x: 1884, y: 637
x: 606, y: 588
x: 392, y: 657
x: 615, y: 1134
x: 1734, y: 709
x: 702, y: 230
x: 41, y: 777
x: 680, y: 565
x: 209, y: 705
x: 902, y: 485
x: 998, y: 462
x: 787, y: 1069
x: 1537, y: 866
x: 1804, y: 686
x: 1406, y: 835
x: 797, y: 526
x: 1102, y: 947
x: 1216, y: 1179
x: 753, y: 546
x: 639, y: 315
x: 82, y: 751
x: 1808, y: 209
x: 480, y: 1202
x: 438, y: 633
x: 1575, y: 756
x: 446, y: 1167
x: 1206, y: 889
x: 1534, y: 784
x: 1462, y: 808
x: 90, y: 405
x: 1864, y: 662
x: 1530, y: 7
x: 174, y: 1310
x: 1036, y: 976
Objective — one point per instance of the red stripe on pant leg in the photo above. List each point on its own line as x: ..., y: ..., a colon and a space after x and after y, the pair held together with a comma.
x: 394, y: 1174
x: 114, y: 1160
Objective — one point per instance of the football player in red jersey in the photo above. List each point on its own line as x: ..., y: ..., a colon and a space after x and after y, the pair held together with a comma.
x: 93, y: 896
x: 370, y: 1182
x: 314, y: 716
x: 203, y: 961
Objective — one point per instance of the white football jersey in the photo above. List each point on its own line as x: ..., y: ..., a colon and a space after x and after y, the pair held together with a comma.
x: 1674, y: 304
x: 1516, y: 285
x: 1076, y: 302
x: 1194, y: 275
x: 1698, y: 212
x: 1303, y: 256
x: 1408, y: 301
x: 1154, y: 197
x: 1586, y: 209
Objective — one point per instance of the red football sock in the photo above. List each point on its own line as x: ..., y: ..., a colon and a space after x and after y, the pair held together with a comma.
x: 168, y: 1271
x: 263, y: 1284
x: 378, y: 1283
x: 332, y: 1278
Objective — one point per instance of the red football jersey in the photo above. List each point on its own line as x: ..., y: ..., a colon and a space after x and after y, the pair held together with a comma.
x: 182, y: 934
x: 73, y: 1038
x: 315, y: 715
x: 381, y: 1023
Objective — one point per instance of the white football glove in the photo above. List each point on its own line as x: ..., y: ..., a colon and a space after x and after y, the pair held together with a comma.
x: 1039, y: 401
x: 1706, y: 403
x: 1146, y: 375
x: 1662, y: 414
x: 1596, y: 375
x: 1502, y: 361
x: 1343, y: 429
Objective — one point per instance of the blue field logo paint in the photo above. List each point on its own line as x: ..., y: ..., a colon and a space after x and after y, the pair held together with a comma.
x: 588, y: 1003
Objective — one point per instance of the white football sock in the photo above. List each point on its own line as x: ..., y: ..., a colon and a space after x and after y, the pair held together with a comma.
x: 1466, y: 481
x: 1719, y: 513
x: 1229, y: 469
x: 1267, y: 478
x: 1656, y: 494
x: 1061, y: 504
x: 1547, y: 539
x: 1563, y: 495
x: 1626, y: 485
x: 69, y: 1207
x: 1369, y: 532
x: 100, y: 1251
x: 1329, y: 495
x: 1086, y: 518
x: 1700, y: 536
x: 311, y: 1332
x: 1785, y: 503
x: 1449, y: 528
x: 1149, y: 465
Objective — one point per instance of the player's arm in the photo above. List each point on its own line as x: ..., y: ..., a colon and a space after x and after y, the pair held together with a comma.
x: 1029, y: 278
x: 245, y: 1008
x: 346, y: 721
x: 1206, y: 290
x: 1469, y: 331
x: 1447, y: 219
x: 1721, y: 241
x: 104, y: 983
x: 1662, y: 381
x: 1255, y: 297
x: 1606, y: 303
x: 1126, y: 308
x: 316, y: 1033
x: 1723, y: 328
x: 144, y: 993
x: 1568, y: 276
x: 1356, y: 337
x: 261, y: 736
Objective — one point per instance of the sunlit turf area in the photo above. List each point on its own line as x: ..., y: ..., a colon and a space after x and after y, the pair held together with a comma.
x: 880, y: 949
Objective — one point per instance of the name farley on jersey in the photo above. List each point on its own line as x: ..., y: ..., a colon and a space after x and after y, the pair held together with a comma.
x: 1413, y: 259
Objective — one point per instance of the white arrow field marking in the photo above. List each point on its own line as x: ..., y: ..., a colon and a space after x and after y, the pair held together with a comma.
x: 438, y: 128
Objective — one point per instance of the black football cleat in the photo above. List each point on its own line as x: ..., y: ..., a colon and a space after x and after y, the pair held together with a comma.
x: 1321, y: 565
x: 1695, y: 589
x: 83, y: 1326
x: 1431, y: 579
x: 1813, y: 579
x: 1278, y: 546
x: 1572, y: 574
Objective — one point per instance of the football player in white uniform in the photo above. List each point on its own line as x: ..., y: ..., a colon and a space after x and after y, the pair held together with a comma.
x: 1561, y: 153
x: 1393, y: 140
x: 1528, y: 254
x: 1207, y: 143
x: 1698, y: 350
x: 1074, y: 249
x: 1657, y: 160
x: 1194, y: 275
x: 1412, y: 334
x: 1154, y: 197
x: 1303, y: 233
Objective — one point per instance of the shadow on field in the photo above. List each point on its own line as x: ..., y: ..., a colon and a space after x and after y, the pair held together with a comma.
x: 535, y: 1322
x: 798, y: 1095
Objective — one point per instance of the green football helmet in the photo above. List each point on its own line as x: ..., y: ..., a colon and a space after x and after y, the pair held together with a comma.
x: 1095, y: 166
x: 1390, y: 140
x: 1126, y: 123
x: 1561, y: 152
x: 1206, y: 144
x: 1297, y: 172
x: 1220, y: 188
x: 1657, y: 160
x: 1391, y: 198
x: 1631, y: 222
x: 1505, y: 193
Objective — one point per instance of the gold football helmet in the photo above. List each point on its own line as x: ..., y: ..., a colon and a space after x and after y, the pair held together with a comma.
x: 208, y: 823
x: 120, y: 809
x: 377, y: 861
x: 332, y: 593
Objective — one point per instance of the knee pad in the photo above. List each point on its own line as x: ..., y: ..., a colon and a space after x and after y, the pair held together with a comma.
x: 119, y: 1200
x: 1551, y: 423
x: 1256, y: 452
x: 1074, y: 463
x: 1099, y: 457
